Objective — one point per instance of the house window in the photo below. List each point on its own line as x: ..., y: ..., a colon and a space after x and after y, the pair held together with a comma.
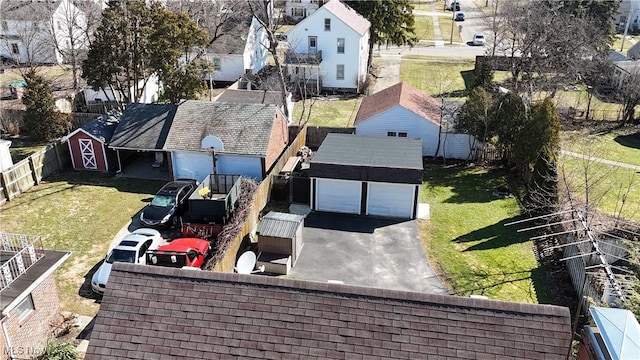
x: 313, y: 44
x: 340, y: 72
x: 327, y: 24
x: 298, y: 12
x: 217, y: 64
x: 15, y: 49
x: 402, y: 134
x: 340, y: 45
x: 391, y: 133
x: 25, y: 308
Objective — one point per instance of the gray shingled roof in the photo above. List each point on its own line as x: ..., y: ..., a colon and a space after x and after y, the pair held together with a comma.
x: 104, y: 126
x: 376, y: 151
x: 143, y: 127
x: 243, y: 128
x: 153, y: 312
x: 280, y: 225
x: 233, y: 40
x: 28, y: 10
x: 251, y: 97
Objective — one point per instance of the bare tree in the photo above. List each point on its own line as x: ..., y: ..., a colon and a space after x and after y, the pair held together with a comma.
x: 629, y: 93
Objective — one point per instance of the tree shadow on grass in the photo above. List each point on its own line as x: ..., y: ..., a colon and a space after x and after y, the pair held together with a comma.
x: 481, y: 282
x: 130, y: 185
x: 631, y: 140
x: 495, y: 236
x: 468, y: 186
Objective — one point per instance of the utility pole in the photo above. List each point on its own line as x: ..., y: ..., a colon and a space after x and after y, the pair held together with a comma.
x: 453, y: 20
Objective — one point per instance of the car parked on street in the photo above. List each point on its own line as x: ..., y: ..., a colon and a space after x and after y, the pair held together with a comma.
x: 459, y: 17
x: 478, y: 40
x: 168, y: 204
x: 181, y: 252
x: 131, y: 249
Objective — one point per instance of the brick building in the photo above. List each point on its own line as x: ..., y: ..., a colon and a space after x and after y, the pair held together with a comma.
x: 28, y: 295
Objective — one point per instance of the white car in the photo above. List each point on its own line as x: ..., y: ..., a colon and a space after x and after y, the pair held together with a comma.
x: 132, y: 249
x: 478, y: 40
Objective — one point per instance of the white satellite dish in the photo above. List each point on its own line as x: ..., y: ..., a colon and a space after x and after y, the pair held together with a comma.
x: 211, y: 142
x: 246, y: 263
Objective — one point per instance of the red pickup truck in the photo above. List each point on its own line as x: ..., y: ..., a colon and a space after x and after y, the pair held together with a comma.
x: 181, y: 252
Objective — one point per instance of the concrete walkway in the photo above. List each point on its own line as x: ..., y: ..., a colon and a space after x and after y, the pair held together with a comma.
x: 603, y: 161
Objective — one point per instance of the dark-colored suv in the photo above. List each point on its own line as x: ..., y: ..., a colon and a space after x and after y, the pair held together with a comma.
x: 168, y: 204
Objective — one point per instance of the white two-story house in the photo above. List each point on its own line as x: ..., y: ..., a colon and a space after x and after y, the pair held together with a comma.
x: 328, y: 50
x: 41, y: 32
x: 241, y: 49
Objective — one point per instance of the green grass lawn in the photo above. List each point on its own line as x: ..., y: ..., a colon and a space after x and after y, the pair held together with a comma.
x: 79, y: 212
x: 331, y: 113
x: 437, y: 77
x: 466, y: 240
x: 611, y: 146
x: 424, y: 27
x: 617, y: 43
x: 445, y: 29
x: 612, y: 190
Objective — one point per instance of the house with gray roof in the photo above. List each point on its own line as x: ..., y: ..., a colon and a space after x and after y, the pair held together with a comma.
x: 250, y: 139
x: 197, y: 138
x: 240, y: 48
x: 257, y: 97
x: 166, y: 313
x: 369, y: 175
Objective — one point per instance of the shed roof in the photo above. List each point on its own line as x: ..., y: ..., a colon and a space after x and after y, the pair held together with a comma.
x: 143, y: 127
x: 243, y: 128
x: 103, y: 127
x: 375, y: 151
x: 282, y: 225
x: 401, y: 94
x: 152, y: 311
x: 349, y: 16
x: 620, y: 331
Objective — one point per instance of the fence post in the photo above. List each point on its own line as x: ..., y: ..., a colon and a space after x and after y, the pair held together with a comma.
x: 55, y: 150
x: 5, y: 189
x: 34, y: 174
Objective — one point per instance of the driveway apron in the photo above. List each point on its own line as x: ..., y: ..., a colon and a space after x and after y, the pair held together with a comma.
x: 365, y: 251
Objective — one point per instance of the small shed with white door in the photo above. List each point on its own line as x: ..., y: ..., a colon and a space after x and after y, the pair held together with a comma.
x: 281, y: 233
x: 367, y: 175
x: 88, y: 144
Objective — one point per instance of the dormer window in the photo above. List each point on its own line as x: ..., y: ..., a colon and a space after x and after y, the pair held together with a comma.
x: 327, y: 24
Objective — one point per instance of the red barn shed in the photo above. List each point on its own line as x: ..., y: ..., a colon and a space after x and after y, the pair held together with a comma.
x: 88, y: 144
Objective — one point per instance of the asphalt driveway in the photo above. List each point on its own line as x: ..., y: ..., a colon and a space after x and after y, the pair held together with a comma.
x: 365, y: 251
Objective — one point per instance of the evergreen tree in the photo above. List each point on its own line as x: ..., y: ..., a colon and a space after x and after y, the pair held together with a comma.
x: 41, y: 119
x: 135, y: 41
x: 392, y: 22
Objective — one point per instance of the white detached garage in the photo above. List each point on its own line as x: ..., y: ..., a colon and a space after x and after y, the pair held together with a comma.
x: 367, y: 175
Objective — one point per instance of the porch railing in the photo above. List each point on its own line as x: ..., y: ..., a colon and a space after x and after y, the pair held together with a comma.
x: 17, y: 254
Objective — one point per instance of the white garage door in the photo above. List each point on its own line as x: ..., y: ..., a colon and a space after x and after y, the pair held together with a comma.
x: 341, y: 196
x: 394, y: 200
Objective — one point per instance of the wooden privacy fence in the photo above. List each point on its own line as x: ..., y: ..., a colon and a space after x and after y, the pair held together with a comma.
x: 261, y: 198
x: 30, y: 171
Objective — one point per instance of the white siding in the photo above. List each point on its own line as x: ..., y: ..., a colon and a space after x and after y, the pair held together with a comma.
x: 393, y: 200
x: 313, y: 25
x: 256, y: 55
x: 197, y: 165
x: 342, y: 196
x: 149, y: 93
x: 231, y: 67
x: 400, y: 119
x: 458, y: 146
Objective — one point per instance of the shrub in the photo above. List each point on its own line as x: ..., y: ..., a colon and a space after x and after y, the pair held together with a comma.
x: 59, y: 351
